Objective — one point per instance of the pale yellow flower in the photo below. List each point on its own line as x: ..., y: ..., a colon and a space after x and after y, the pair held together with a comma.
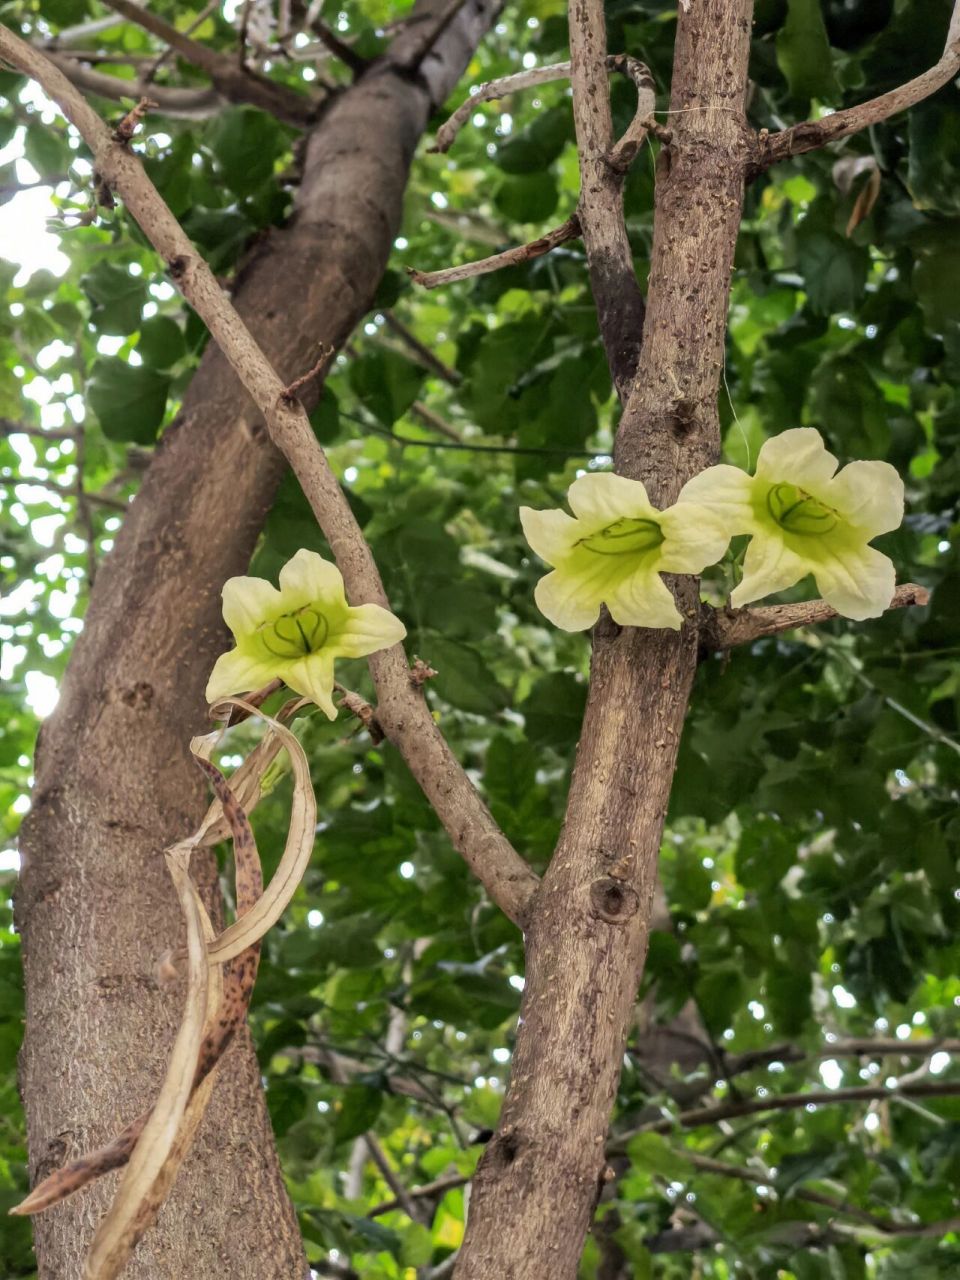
x: 805, y: 517
x: 296, y: 633
x: 612, y: 551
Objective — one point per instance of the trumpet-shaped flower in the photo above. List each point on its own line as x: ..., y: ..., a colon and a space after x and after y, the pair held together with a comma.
x: 297, y: 632
x: 805, y: 517
x: 612, y: 551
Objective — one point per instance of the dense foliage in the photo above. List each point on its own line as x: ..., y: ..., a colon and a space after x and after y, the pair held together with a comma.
x: 810, y: 856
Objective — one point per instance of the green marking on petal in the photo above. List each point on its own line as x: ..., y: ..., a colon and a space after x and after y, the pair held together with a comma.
x: 628, y: 536
x: 797, y: 512
x: 294, y: 635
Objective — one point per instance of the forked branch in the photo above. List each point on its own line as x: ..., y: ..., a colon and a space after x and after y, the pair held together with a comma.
x: 401, y: 709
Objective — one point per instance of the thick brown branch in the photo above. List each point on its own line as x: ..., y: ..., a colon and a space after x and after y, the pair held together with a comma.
x: 186, y: 104
x: 401, y: 709
x: 237, y: 84
x: 811, y: 134
x: 568, y: 230
x: 616, y: 293
x: 725, y: 629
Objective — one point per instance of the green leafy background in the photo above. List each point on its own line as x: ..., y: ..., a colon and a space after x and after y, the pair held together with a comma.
x: 810, y: 856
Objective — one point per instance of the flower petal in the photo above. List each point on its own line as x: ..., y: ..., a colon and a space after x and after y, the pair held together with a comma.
x: 869, y: 495
x: 239, y: 672
x: 308, y: 579
x: 600, y: 498
x: 858, y: 582
x: 798, y: 456
x: 694, y: 537
x: 551, y: 533
x: 366, y: 629
x: 769, y: 566
x: 644, y: 600
x: 312, y: 677
x: 725, y: 492
x: 247, y: 602
x: 566, y: 601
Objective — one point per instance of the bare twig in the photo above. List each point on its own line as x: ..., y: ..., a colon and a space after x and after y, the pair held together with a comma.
x: 319, y: 369
x: 362, y: 709
x: 210, y: 7
x: 425, y: 356
x: 130, y: 123
x: 568, y: 230
x: 811, y: 134
x: 725, y: 629
x: 437, y: 1188
x: 793, y: 1101
x: 856, y: 1047
x: 431, y: 418
x: 492, y: 92
x: 339, y: 48
x: 402, y: 711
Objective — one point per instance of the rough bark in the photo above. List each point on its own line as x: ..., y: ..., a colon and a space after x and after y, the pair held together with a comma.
x: 114, y: 782
x: 541, y: 1174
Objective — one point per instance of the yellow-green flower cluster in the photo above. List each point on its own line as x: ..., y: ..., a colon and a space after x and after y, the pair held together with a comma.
x: 802, y: 517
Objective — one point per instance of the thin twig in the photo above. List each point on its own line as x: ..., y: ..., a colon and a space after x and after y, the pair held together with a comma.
x: 811, y: 134
x: 319, y: 369
x: 403, y: 713
x: 569, y: 230
x: 427, y: 357
x: 725, y: 629
x: 210, y: 7
x: 339, y: 48
x: 793, y: 1101
x: 432, y: 419
x: 437, y: 1188
x: 84, y: 514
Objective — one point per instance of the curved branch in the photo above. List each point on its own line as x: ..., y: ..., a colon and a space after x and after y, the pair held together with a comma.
x: 401, y: 709
x: 727, y: 628
x: 811, y: 134
x: 569, y: 230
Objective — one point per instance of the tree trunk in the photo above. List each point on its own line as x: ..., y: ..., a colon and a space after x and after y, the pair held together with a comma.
x: 114, y: 781
x: 541, y: 1175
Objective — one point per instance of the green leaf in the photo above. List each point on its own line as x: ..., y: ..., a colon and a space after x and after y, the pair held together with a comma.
x: 527, y: 198
x: 161, y: 342
x: 246, y: 143
x: 834, y: 270
x: 129, y: 400
x: 463, y: 677
x: 325, y: 418
x: 804, y: 55
x: 538, y: 145
x: 386, y: 384
x: 652, y: 1153
x: 358, y: 1110
x: 117, y: 298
